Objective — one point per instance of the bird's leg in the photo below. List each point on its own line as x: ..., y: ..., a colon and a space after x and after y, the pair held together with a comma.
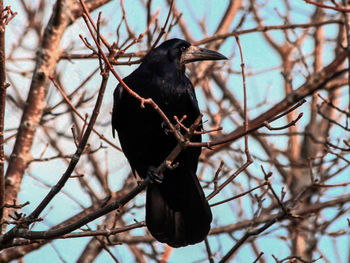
x: 154, y: 175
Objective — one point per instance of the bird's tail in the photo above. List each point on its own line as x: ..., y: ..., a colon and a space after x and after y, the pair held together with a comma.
x: 177, y: 212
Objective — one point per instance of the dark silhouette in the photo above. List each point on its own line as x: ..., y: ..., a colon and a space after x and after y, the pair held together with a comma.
x: 177, y: 212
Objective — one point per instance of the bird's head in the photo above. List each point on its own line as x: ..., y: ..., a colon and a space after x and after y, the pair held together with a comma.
x: 181, y: 52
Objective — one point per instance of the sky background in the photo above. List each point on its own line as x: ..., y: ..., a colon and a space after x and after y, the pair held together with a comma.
x: 257, y: 54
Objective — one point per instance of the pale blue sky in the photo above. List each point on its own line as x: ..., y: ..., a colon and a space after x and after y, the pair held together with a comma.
x: 257, y: 55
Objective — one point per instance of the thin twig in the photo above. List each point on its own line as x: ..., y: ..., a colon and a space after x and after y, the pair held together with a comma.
x: 64, y: 95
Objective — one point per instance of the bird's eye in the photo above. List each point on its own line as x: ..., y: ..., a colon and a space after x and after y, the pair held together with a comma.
x: 182, y: 48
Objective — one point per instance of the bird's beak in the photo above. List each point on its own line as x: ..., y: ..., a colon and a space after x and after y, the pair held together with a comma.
x: 194, y: 53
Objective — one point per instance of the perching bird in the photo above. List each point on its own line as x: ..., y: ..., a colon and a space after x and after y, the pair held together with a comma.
x: 177, y: 212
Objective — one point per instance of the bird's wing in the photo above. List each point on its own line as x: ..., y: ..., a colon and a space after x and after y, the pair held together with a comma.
x: 194, y: 103
x: 117, y: 97
x: 192, y: 96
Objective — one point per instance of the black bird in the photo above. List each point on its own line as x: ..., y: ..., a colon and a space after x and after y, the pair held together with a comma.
x: 177, y: 212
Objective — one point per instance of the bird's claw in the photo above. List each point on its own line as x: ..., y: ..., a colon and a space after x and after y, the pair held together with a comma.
x: 170, y: 165
x: 165, y: 127
x: 154, y: 176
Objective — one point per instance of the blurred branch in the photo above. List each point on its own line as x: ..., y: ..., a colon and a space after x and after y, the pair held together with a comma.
x: 337, y: 8
x: 309, y: 161
x: 12, y: 233
x: 75, y: 110
x: 315, y: 83
x: 265, y: 29
x: 47, y: 58
x: 3, y: 86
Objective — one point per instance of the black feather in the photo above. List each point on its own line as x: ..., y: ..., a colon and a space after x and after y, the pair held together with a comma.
x: 177, y: 212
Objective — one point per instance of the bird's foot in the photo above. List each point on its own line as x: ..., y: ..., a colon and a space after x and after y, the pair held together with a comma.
x: 154, y: 176
x: 165, y: 127
x: 170, y: 165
